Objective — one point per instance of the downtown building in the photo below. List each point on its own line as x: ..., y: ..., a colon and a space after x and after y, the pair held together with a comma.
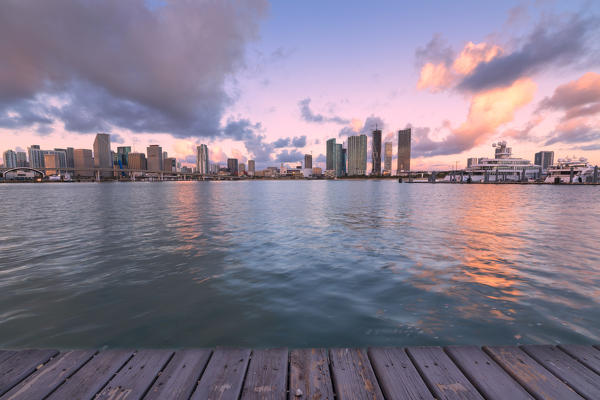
x: 357, y: 155
x: 137, y: 161
x: 387, y: 157
x: 232, y: 166
x: 36, y: 156
x: 202, y: 163
x: 22, y: 159
x: 376, y: 152
x: 544, y: 159
x: 404, y: 144
x: 330, y: 155
x: 83, y: 162
x: 10, y: 159
x: 308, y: 161
x: 251, y: 167
x: 102, y: 154
x: 154, y: 158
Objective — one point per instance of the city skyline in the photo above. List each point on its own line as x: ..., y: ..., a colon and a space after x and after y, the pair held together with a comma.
x: 459, y: 86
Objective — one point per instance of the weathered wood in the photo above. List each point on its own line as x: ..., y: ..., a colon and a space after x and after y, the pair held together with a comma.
x: 6, y: 354
x: 309, y: 375
x: 88, y: 381
x: 224, y: 375
x: 487, y: 376
x: 579, y: 377
x: 136, y: 377
x: 179, y: 378
x: 43, y: 381
x: 397, y: 376
x: 532, y: 376
x: 441, y: 375
x: 587, y: 355
x: 266, y: 378
x: 353, y: 376
x: 20, y: 365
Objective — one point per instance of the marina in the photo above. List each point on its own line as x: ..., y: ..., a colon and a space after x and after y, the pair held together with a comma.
x: 464, y: 372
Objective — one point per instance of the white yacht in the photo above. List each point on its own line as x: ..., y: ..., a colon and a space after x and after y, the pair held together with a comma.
x: 503, y: 167
x: 562, y: 171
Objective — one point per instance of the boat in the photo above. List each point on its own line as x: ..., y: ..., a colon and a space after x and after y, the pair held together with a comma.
x: 570, y: 170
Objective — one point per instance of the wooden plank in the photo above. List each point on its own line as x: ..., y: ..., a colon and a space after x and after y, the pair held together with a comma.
x: 532, y: 376
x: 582, y: 379
x: 179, y: 379
x: 92, y: 377
x: 441, y: 375
x: 309, y: 375
x: 353, y: 376
x: 487, y: 376
x: 136, y: 377
x: 398, y: 377
x: 20, y: 365
x: 6, y: 354
x: 266, y: 378
x: 46, y: 379
x: 587, y: 355
x: 224, y: 375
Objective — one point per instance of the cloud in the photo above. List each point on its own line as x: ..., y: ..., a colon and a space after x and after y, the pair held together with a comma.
x: 321, y: 158
x: 289, y: 156
x: 299, y: 141
x: 359, y: 128
x: 116, y: 138
x: 281, y: 142
x: 525, y: 132
x: 309, y: 116
x: 551, y: 44
x: 436, y: 51
x: 122, y: 64
x: 576, y: 130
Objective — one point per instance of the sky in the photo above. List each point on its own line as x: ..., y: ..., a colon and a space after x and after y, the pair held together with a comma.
x: 272, y: 81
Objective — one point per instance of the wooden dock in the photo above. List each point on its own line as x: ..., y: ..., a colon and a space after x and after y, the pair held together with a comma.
x: 510, y: 372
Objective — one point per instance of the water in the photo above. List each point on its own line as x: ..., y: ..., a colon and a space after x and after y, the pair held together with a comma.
x: 323, y: 263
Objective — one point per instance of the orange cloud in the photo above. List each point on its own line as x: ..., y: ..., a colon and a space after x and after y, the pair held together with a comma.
x: 474, y: 54
x: 435, y: 77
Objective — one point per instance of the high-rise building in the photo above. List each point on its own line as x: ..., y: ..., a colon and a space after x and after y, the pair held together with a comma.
x: 10, y: 159
x: 52, y: 164
x: 404, y: 144
x: 122, y: 155
x: 251, y: 167
x: 544, y: 159
x: 154, y: 156
x: 471, y: 161
x: 170, y: 164
x: 376, y: 152
x: 61, y: 155
x: 102, y: 156
x: 22, y: 159
x: 165, y: 155
x: 339, y: 160
x: 70, y: 158
x: 387, y: 157
x: 232, y: 166
x: 83, y: 162
x: 202, y: 163
x: 36, y: 156
x: 357, y: 155
x: 242, y: 168
x: 137, y: 161
x: 330, y: 155
x: 308, y: 161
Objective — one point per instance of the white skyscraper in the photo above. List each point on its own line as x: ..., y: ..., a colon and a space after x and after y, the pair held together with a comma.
x: 202, y: 165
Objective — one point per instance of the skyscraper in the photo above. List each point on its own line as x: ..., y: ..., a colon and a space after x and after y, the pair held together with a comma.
x: 123, y: 155
x: 83, y: 162
x: 202, y: 165
x: 22, y: 159
x: 242, y: 168
x: 339, y: 160
x: 36, y: 156
x: 376, y: 152
x: 387, y: 157
x: 544, y: 159
x: 137, y: 161
x: 404, y: 144
x: 61, y: 154
x: 232, y: 165
x: 357, y: 155
x: 52, y: 164
x: 154, y: 155
x: 330, y: 157
x: 308, y: 161
x: 70, y: 158
x: 170, y: 164
x: 10, y: 159
x: 251, y: 167
x: 102, y: 157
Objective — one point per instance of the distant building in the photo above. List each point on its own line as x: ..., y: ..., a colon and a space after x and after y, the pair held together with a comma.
x: 316, y: 171
x: 170, y: 164
x: 154, y: 157
x: 61, y: 155
x: 251, y: 167
x: 242, y: 169
x: 357, y: 155
x: 472, y: 161
x: 339, y: 160
x: 22, y: 159
x: 10, y: 159
x: 36, y: 156
x: 52, y: 164
x: 387, y: 157
x: 137, y: 161
x: 102, y: 157
x: 202, y: 163
x: 164, y: 155
x: 308, y: 161
x: 330, y: 155
x: 214, y: 168
x: 83, y: 162
x: 404, y: 145
x: 123, y: 155
x: 544, y: 159
x: 232, y: 166
x: 376, y: 152
x: 70, y: 157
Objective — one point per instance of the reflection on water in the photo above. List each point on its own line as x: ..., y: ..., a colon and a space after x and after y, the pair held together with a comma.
x: 339, y: 263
